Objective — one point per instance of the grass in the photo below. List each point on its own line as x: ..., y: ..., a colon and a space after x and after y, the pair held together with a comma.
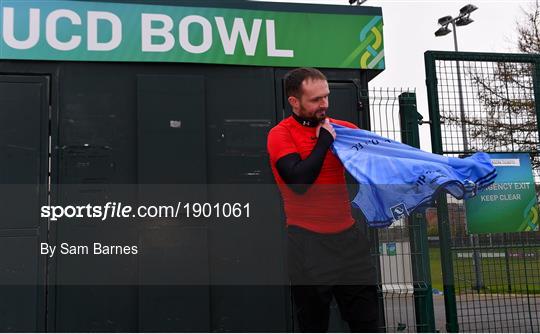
x: 517, y: 275
x: 436, y: 269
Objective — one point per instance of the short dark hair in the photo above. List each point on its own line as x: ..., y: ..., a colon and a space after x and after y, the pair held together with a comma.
x: 294, y: 79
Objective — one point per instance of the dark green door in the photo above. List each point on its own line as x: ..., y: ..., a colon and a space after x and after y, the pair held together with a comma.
x: 24, y: 119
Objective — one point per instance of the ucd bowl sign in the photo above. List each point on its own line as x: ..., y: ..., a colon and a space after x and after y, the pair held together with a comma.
x: 97, y: 31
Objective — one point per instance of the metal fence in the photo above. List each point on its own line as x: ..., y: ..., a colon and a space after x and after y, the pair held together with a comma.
x: 404, y: 275
x: 486, y: 102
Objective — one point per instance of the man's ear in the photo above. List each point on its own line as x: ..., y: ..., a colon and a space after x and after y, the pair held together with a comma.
x: 294, y: 102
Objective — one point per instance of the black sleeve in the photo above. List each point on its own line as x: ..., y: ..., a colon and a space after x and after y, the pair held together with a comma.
x: 300, y: 174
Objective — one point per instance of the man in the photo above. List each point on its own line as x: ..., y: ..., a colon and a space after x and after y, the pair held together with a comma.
x: 327, y: 254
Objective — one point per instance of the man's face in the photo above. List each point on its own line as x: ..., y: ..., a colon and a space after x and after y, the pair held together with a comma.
x: 313, y: 102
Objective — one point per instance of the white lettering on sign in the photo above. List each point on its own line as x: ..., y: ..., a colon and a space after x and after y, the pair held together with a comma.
x: 522, y: 185
x: 148, y: 32
x: 116, y: 36
x: 489, y: 198
x: 8, y: 29
x: 500, y: 186
x: 157, y: 32
x: 510, y: 197
x: 272, y: 51
x: 239, y: 28
x: 51, y: 25
x: 206, y: 43
x: 505, y: 162
x: 500, y: 197
x: 228, y: 39
x: 51, y: 29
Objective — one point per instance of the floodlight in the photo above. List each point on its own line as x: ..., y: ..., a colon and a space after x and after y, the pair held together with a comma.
x: 442, y: 31
x: 463, y: 21
x: 467, y: 9
x: 358, y: 2
x: 445, y: 20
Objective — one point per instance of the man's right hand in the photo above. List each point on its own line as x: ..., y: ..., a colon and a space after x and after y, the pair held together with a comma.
x: 328, y: 127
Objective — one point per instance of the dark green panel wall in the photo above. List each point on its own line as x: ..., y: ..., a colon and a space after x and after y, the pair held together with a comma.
x: 133, y: 123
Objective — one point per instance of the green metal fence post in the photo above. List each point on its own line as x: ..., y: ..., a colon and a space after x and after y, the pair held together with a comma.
x: 365, y: 123
x: 447, y: 266
x: 409, y: 119
x: 425, y: 317
x: 536, y: 87
x: 442, y: 208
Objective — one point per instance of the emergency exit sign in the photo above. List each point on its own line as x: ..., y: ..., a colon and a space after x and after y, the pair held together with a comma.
x: 508, y: 205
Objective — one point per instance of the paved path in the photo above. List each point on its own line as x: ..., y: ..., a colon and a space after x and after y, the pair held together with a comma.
x: 476, y: 313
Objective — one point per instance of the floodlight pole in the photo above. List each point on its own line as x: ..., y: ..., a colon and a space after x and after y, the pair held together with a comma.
x: 460, y: 93
x: 477, y: 259
x: 455, y: 34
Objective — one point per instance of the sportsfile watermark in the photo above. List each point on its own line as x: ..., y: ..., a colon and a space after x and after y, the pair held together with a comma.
x: 158, y: 234
x: 112, y: 210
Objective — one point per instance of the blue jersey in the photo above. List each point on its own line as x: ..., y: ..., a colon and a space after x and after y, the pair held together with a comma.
x: 395, y: 179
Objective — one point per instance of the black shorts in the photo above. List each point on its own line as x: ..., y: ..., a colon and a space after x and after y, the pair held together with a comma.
x: 323, y: 266
x: 329, y: 259
x: 358, y: 305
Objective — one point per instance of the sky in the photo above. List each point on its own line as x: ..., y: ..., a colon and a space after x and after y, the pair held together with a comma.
x: 409, y: 27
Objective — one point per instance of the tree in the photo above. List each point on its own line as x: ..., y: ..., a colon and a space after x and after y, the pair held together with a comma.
x: 498, y: 98
x: 528, y: 31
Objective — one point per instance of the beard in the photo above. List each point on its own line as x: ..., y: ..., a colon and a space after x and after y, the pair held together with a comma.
x: 318, y: 116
